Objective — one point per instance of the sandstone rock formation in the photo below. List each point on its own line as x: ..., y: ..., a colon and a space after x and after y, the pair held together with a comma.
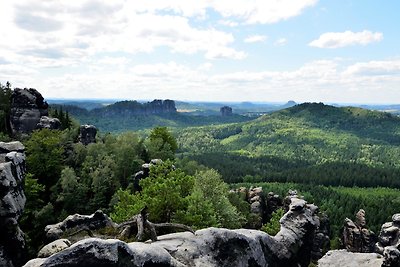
x: 144, y: 173
x: 208, y: 247
x: 134, y: 108
x: 78, y: 223
x: 48, y: 123
x: 344, y: 258
x: 321, y: 243
x: 87, y: 134
x: 225, y: 111
x: 389, y: 242
x: 12, y: 202
x: 27, y: 107
x: 356, y: 237
x: 53, y: 247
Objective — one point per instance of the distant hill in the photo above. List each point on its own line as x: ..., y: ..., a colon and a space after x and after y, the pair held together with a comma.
x: 307, y: 143
x: 133, y: 115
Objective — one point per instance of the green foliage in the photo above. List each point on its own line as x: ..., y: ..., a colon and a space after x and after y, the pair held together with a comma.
x: 273, y: 226
x: 161, y: 144
x: 216, y: 192
x: 65, y: 119
x: 164, y: 192
x: 44, y: 156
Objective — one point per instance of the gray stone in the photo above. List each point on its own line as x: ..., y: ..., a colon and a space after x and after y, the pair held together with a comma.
x: 343, y: 258
x: 87, y: 134
x: 226, y: 111
x: 12, y: 203
x: 356, y: 237
x: 53, y: 247
x: 48, y: 123
x: 78, y: 222
x: 389, y: 242
x: 27, y: 107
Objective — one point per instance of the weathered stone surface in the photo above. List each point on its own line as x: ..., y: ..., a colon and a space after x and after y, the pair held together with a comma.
x: 48, y: 123
x: 53, y: 247
x: 144, y: 173
x: 87, y: 134
x: 225, y: 111
x: 78, y: 222
x: 356, y: 237
x: 343, y: 258
x: 27, y: 107
x: 321, y: 243
x: 208, y: 247
x: 389, y: 242
x: 12, y: 202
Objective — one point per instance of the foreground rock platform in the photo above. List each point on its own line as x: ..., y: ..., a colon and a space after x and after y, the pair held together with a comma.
x: 207, y: 247
x: 343, y: 258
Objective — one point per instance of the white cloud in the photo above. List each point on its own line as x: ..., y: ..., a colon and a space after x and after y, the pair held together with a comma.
x: 375, y: 68
x: 255, y: 38
x: 347, y: 38
x: 281, y: 42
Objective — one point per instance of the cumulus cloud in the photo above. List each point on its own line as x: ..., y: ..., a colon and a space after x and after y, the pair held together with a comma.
x: 255, y: 38
x: 375, y: 68
x: 347, y: 38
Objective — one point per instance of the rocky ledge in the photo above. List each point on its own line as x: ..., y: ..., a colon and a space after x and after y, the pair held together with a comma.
x: 207, y: 247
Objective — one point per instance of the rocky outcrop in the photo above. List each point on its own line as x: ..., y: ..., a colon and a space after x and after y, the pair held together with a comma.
x: 78, y: 223
x: 27, y: 107
x: 356, y: 236
x: 389, y: 242
x: 225, y: 111
x: 208, y: 247
x: 344, y: 258
x: 87, y: 134
x: 48, y: 123
x: 134, y: 108
x: 144, y: 173
x: 321, y: 243
x: 12, y: 202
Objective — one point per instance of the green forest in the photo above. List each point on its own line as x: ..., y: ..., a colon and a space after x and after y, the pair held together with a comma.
x: 310, y: 143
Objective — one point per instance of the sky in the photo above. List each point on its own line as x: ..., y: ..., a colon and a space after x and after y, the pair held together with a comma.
x: 341, y: 51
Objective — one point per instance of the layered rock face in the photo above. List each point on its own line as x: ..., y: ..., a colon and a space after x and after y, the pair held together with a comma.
x: 389, y: 242
x: 27, y: 107
x: 87, y: 134
x: 207, y: 247
x: 12, y: 202
x: 226, y: 111
x: 356, y: 237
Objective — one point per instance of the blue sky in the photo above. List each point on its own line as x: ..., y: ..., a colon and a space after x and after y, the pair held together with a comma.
x: 204, y: 50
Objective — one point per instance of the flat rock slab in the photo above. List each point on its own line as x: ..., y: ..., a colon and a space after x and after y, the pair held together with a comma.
x: 343, y: 258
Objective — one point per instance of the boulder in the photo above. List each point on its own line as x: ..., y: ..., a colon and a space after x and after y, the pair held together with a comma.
x: 78, y: 223
x: 27, y: 107
x: 208, y: 247
x: 87, y: 134
x: 389, y: 242
x: 53, y: 247
x: 356, y: 237
x: 48, y: 123
x: 12, y: 203
x: 344, y: 258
